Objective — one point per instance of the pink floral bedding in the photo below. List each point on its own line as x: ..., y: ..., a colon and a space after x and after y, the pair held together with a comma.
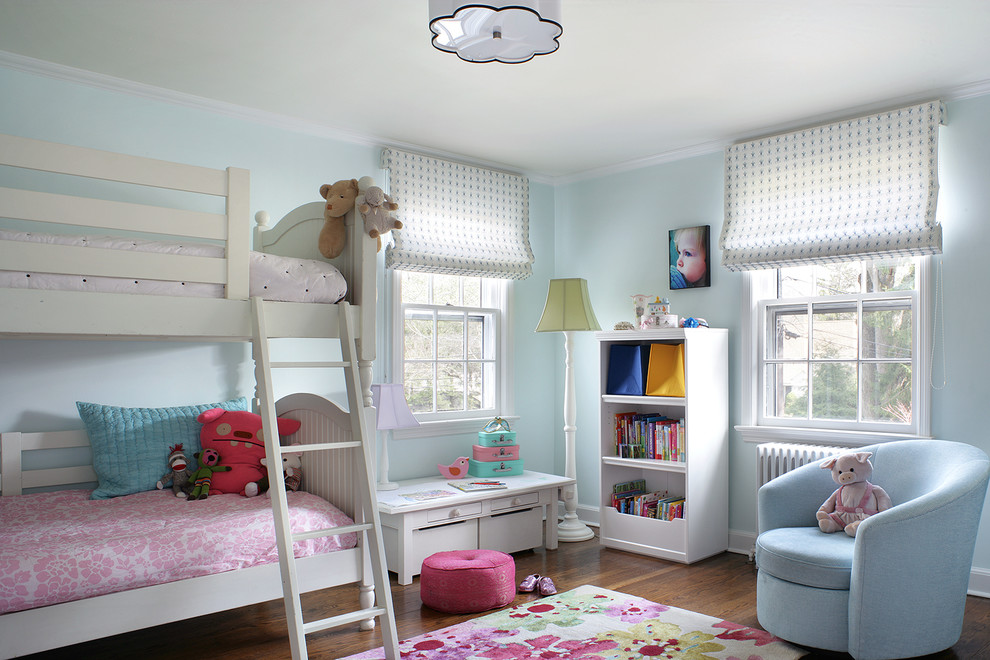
x: 62, y: 546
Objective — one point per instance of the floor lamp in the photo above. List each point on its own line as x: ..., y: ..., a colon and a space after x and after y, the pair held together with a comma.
x: 392, y: 413
x: 568, y: 309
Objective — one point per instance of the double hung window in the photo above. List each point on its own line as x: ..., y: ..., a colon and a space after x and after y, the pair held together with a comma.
x: 843, y: 346
x: 450, y: 348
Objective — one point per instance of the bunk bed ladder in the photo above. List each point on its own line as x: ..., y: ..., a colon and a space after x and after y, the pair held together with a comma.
x: 368, y: 521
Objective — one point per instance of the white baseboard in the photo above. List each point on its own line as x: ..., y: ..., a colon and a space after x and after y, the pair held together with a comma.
x: 979, y: 582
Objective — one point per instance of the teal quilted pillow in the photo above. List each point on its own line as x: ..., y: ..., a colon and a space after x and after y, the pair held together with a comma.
x: 130, y: 445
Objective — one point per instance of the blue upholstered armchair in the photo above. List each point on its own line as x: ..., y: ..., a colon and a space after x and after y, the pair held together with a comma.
x: 896, y: 590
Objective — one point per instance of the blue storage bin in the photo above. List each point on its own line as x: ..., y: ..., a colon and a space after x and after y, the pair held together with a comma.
x: 627, y: 366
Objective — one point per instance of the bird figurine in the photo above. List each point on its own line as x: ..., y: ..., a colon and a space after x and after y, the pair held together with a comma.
x: 456, y: 470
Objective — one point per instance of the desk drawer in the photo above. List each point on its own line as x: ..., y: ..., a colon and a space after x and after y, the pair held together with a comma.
x: 453, y: 536
x: 512, y: 532
x: 453, y: 512
x: 503, y: 503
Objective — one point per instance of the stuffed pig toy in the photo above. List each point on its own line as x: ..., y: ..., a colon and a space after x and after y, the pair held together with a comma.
x: 856, y: 498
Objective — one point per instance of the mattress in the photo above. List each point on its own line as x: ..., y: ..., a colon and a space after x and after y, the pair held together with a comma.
x: 272, y: 277
x: 62, y: 546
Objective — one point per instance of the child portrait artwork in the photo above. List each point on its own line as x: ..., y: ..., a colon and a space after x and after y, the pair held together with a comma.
x: 689, y: 258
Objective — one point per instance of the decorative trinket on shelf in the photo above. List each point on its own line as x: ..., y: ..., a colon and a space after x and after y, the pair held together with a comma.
x: 639, y: 308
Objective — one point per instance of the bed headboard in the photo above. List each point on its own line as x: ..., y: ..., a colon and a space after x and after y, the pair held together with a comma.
x: 331, y: 475
x: 297, y: 234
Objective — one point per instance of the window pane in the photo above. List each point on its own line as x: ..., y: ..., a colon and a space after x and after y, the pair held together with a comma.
x: 450, y: 386
x: 472, y: 292
x: 838, y: 278
x: 893, y: 275
x: 834, y: 391
x: 418, y: 335
x: 475, y: 386
x: 787, y: 390
x: 887, y: 392
x: 887, y: 332
x: 834, y: 332
x: 446, y: 290
x: 415, y: 288
x: 418, y: 380
x: 476, y: 337
x: 450, y: 336
x: 790, y: 337
x: 488, y: 391
x: 796, y: 282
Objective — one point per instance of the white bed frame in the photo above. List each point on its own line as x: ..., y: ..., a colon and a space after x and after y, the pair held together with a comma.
x: 66, y: 314
x: 86, y: 315
x: 43, y: 628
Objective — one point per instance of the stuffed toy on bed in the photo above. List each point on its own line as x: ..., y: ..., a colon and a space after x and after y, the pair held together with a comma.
x: 209, y: 464
x: 375, y: 208
x: 856, y: 498
x: 291, y: 471
x: 239, y: 437
x: 178, y: 472
x: 340, y: 198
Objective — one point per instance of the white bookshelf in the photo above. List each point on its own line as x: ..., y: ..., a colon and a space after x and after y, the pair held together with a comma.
x: 702, y: 479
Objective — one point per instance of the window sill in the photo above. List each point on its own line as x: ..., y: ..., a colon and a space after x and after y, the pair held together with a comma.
x: 808, y: 436
x: 439, y: 428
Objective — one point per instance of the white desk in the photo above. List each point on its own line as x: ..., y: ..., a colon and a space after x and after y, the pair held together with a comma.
x: 508, y: 519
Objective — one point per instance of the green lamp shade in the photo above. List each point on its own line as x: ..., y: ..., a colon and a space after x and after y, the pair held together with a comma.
x: 568, y: 307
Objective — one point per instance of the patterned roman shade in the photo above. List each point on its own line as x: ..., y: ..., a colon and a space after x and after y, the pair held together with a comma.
x: 852, y: 190
x: 458, y: 219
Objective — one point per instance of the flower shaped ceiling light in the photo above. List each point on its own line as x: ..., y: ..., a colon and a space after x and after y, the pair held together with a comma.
x: 507, y: 32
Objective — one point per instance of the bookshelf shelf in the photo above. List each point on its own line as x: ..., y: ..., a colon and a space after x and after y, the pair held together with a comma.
x: 701, y: 479
x: 646, y: 463
x: 647, y: 400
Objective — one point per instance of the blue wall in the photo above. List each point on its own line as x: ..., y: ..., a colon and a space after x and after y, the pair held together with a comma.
x: 42, y: 380
x: 610, y: 230
x: 613, y: 230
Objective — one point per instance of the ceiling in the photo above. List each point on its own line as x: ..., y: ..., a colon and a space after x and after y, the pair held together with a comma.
x: 634, y: 81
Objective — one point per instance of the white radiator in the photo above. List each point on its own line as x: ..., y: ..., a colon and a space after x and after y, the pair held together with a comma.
x: 775, y: 458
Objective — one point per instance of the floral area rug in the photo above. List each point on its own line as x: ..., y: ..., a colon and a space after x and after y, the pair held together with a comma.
x: 590, y: 622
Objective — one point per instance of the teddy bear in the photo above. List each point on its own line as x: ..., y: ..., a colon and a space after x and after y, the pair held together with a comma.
x: 340, y: 198
x: 209, y: 464
x: 178, y: 472
x: 291, y: 470
x: 238, y: 435
x: 856, y: 499
x: 375, y: 207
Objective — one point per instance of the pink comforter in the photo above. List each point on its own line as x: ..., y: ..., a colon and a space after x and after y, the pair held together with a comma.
x: 62, y: 546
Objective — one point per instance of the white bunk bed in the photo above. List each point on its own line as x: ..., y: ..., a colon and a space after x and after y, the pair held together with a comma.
x: 39, y: 313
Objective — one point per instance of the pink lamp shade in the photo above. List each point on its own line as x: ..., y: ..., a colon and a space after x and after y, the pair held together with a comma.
x: 393, y: 411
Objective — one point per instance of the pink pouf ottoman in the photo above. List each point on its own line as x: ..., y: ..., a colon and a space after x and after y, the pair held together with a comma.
x: 462, y: 581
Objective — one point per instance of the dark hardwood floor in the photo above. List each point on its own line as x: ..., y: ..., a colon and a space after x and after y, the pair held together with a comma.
x: 722, y: 586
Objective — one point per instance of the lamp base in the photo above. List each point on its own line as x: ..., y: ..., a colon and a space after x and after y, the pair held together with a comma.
x: 386, y: 485
x: 572, y: 529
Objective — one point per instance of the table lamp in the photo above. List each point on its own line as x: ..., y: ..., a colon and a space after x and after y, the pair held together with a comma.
x: 568, y: 309
x: 392, y: 413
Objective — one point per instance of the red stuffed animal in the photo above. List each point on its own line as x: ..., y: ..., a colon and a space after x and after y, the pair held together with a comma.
x: 238, y: 436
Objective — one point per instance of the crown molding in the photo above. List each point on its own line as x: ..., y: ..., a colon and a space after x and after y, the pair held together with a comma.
x: 958, y: 93
x: 71, y: 74
x: 110, y: 83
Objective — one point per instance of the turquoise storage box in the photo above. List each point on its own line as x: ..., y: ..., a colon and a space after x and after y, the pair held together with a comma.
x: 494, y: 468
x: 496, y: 438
